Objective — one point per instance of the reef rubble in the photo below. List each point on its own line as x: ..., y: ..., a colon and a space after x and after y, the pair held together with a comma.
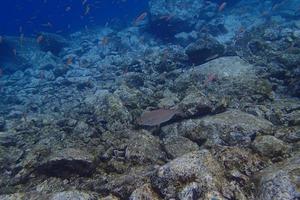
x: 69, y: 124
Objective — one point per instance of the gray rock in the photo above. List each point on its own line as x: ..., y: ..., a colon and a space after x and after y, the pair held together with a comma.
x: 110, y: 109
x: 8, y: 139
x: 143, y: 148
x: 81, y: 77
x: 203, y: 49
x: 47, y: 61
x: 83, y: 130
x: 110, y: 197
x: 195, y: 104
x: 15, y: 196
x: 52, y: 42
x: 176, y: 146
x: 116, y: 113
x: 129, y: 96
x: 2, y: 123
x: 231, y: 67
x: 191, y: 191
x: 294, y: 118
x: 169, y: 100
x: 195, y: 168
x: 65, y: 162
x: 289, y: 135
x: 280, y: 181
x: 240, y: 163
x: 224, y: 77
x: 73, y: 195
x: 144, y: 192
x: 270, y: 146
x: 232, y: 127
x: 184, y: 38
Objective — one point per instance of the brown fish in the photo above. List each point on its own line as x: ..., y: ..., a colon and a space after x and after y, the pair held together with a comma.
x: 156, y: 117
x: 39, y: 39
x: 69, y: 61
x: 104, y: 40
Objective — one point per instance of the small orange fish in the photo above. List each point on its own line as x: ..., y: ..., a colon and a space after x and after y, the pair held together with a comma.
x: 68, y: 8
x: 48, y: 25
x: 104, y: 40
x: 210, y: 78
x: 69, y: 61
x: 140, y: 18
x: 241, y: 29
x: 166, y: 17
x: 14, y: 51
x: 265, y: 13
x: 125, y: 70
x: 39, y: 39
x: 222, y: 6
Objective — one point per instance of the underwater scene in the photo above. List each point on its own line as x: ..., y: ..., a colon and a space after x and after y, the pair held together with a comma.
x: 150, y: 100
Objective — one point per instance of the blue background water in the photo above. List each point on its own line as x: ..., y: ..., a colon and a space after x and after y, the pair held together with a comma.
x: 32, y: 16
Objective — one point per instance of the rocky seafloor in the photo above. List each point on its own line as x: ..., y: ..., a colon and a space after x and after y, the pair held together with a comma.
x: 69, y: 107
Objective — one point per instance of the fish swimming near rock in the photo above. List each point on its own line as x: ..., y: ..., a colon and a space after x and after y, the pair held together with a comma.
x: 222, y: 6
x: 156, y: 117
x: 39, y: 39
x: 140, y: 18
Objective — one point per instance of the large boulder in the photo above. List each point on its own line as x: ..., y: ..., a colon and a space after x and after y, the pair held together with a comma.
x: 52, y: 42
x: 176, y: 146
x: 108, y: 109
x: 144, y: 148
x: 196, y: 175
x: 270, y: 146
x: 203, y: 49
x: 65, y: 162
x: 227, y: 77
x: 233, y: 127
x: 280, y: 181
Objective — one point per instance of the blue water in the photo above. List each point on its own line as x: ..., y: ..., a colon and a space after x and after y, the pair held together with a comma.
x: 65, y: 16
